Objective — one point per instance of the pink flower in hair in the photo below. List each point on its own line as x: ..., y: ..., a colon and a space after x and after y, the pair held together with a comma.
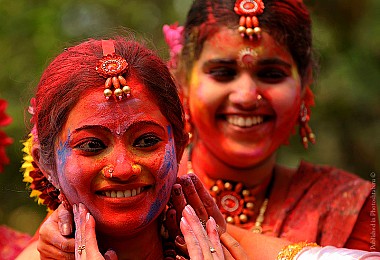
x: 174, y: 39
x: 4, y: 139
x: 31, y: 110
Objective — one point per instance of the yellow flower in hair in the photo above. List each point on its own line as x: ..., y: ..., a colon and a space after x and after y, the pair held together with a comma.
x: 41, y: 189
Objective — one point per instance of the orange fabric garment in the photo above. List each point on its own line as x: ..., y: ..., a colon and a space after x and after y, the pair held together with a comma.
x: 326, y: 205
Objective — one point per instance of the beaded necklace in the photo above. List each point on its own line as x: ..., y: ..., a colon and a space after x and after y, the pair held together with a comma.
x: 236, y: 202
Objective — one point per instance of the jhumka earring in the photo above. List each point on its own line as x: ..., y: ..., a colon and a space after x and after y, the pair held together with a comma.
x: 248, y: 11
x: 305, y: 131
x: 111, y: 67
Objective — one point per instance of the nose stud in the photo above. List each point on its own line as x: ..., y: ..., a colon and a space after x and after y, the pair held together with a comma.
x: 108, y: 171
x: 136, y: 169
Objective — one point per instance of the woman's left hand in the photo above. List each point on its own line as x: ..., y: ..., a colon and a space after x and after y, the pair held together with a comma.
x: 201, y: 243
x: 85, y: 237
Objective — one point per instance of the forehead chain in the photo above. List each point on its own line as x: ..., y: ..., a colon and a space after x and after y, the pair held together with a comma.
x: 112, y: 67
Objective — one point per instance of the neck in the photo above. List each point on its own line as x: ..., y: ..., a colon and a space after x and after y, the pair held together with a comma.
x: 145, y: 244
x: 210, y: 168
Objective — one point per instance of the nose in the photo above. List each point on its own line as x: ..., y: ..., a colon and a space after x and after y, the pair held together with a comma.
x: 244, y: 93
x: 122, y: 167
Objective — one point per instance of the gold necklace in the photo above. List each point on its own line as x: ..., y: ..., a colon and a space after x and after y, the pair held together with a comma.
x: 236, y: 202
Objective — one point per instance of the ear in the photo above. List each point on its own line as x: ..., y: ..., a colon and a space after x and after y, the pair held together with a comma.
x: 45, y: 169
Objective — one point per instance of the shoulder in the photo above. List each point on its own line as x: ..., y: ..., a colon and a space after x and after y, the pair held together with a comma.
x: 330, y: 184
x: 329, y: 175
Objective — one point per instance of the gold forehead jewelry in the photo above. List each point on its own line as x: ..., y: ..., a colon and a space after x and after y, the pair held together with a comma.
x: 247, y: 57
x: 112, y: 66
x: 248, y: 11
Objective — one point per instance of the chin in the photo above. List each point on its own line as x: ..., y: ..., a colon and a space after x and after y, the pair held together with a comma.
x: 242, y: 157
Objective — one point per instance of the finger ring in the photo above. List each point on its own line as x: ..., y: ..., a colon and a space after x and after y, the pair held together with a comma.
x: 212, y: 250
x: 81, y: 248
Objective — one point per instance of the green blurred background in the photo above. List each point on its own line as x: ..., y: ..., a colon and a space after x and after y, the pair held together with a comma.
x: 346, y: 118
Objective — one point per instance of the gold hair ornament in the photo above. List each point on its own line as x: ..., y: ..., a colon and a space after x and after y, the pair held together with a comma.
x: 111, y: 67
x: 248, y: 11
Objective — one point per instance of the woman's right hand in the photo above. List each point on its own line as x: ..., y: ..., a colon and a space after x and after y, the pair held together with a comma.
x: 56, y: 239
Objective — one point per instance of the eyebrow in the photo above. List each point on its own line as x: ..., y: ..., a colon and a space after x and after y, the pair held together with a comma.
x: 274, y: 61
x: 90, y: 127
x: 220, y: 61
x: 261, y: 62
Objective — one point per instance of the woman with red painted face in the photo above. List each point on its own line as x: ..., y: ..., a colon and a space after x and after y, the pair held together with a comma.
x: 108, y: 133
x: 245, y: 69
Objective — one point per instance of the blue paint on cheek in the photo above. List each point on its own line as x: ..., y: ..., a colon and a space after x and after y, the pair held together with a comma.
x: 63, y: 152
x: 155, y: 208
x: 170, y: 157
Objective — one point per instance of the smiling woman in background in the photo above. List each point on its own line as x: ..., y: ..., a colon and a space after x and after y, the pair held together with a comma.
x: 245, y: 69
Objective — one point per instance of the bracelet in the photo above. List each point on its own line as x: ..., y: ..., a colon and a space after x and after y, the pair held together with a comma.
x: 289, y: 252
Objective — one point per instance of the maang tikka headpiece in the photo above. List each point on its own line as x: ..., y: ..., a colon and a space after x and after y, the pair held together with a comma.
x: 112, y: 66
x: 248, y: 10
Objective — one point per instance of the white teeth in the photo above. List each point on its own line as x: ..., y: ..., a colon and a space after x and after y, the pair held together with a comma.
x: 245, y: 121
x: 127, y: 193
x: 122, y: 194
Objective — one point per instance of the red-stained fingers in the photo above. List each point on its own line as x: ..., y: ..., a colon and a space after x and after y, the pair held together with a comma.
x: 209, y: 204
x: 192, y: 198
x: 52, y: 245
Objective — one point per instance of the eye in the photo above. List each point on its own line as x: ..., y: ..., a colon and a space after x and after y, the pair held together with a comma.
x: 272, y: 75
x: 147, y: 140
x: 222, y: 74
x: 91, y: 145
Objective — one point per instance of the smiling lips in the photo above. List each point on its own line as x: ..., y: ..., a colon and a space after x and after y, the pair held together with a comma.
x: 244, y: 121
x: 122, y: 194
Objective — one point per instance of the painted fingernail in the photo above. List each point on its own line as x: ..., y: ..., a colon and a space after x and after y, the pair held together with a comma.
x: 177, y: 190
x: 190, y: 210
x: 75, y: 208
x: 186, y: 180
x: 66, y: 229
x: 212, y: 222
x: 81, y: 207
x: 193, y: 177
x: 180, y: 240
x: 184, y: 221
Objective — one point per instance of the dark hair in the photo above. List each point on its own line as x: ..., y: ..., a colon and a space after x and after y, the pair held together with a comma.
x: 73, y: 72
x: 287, y: 21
